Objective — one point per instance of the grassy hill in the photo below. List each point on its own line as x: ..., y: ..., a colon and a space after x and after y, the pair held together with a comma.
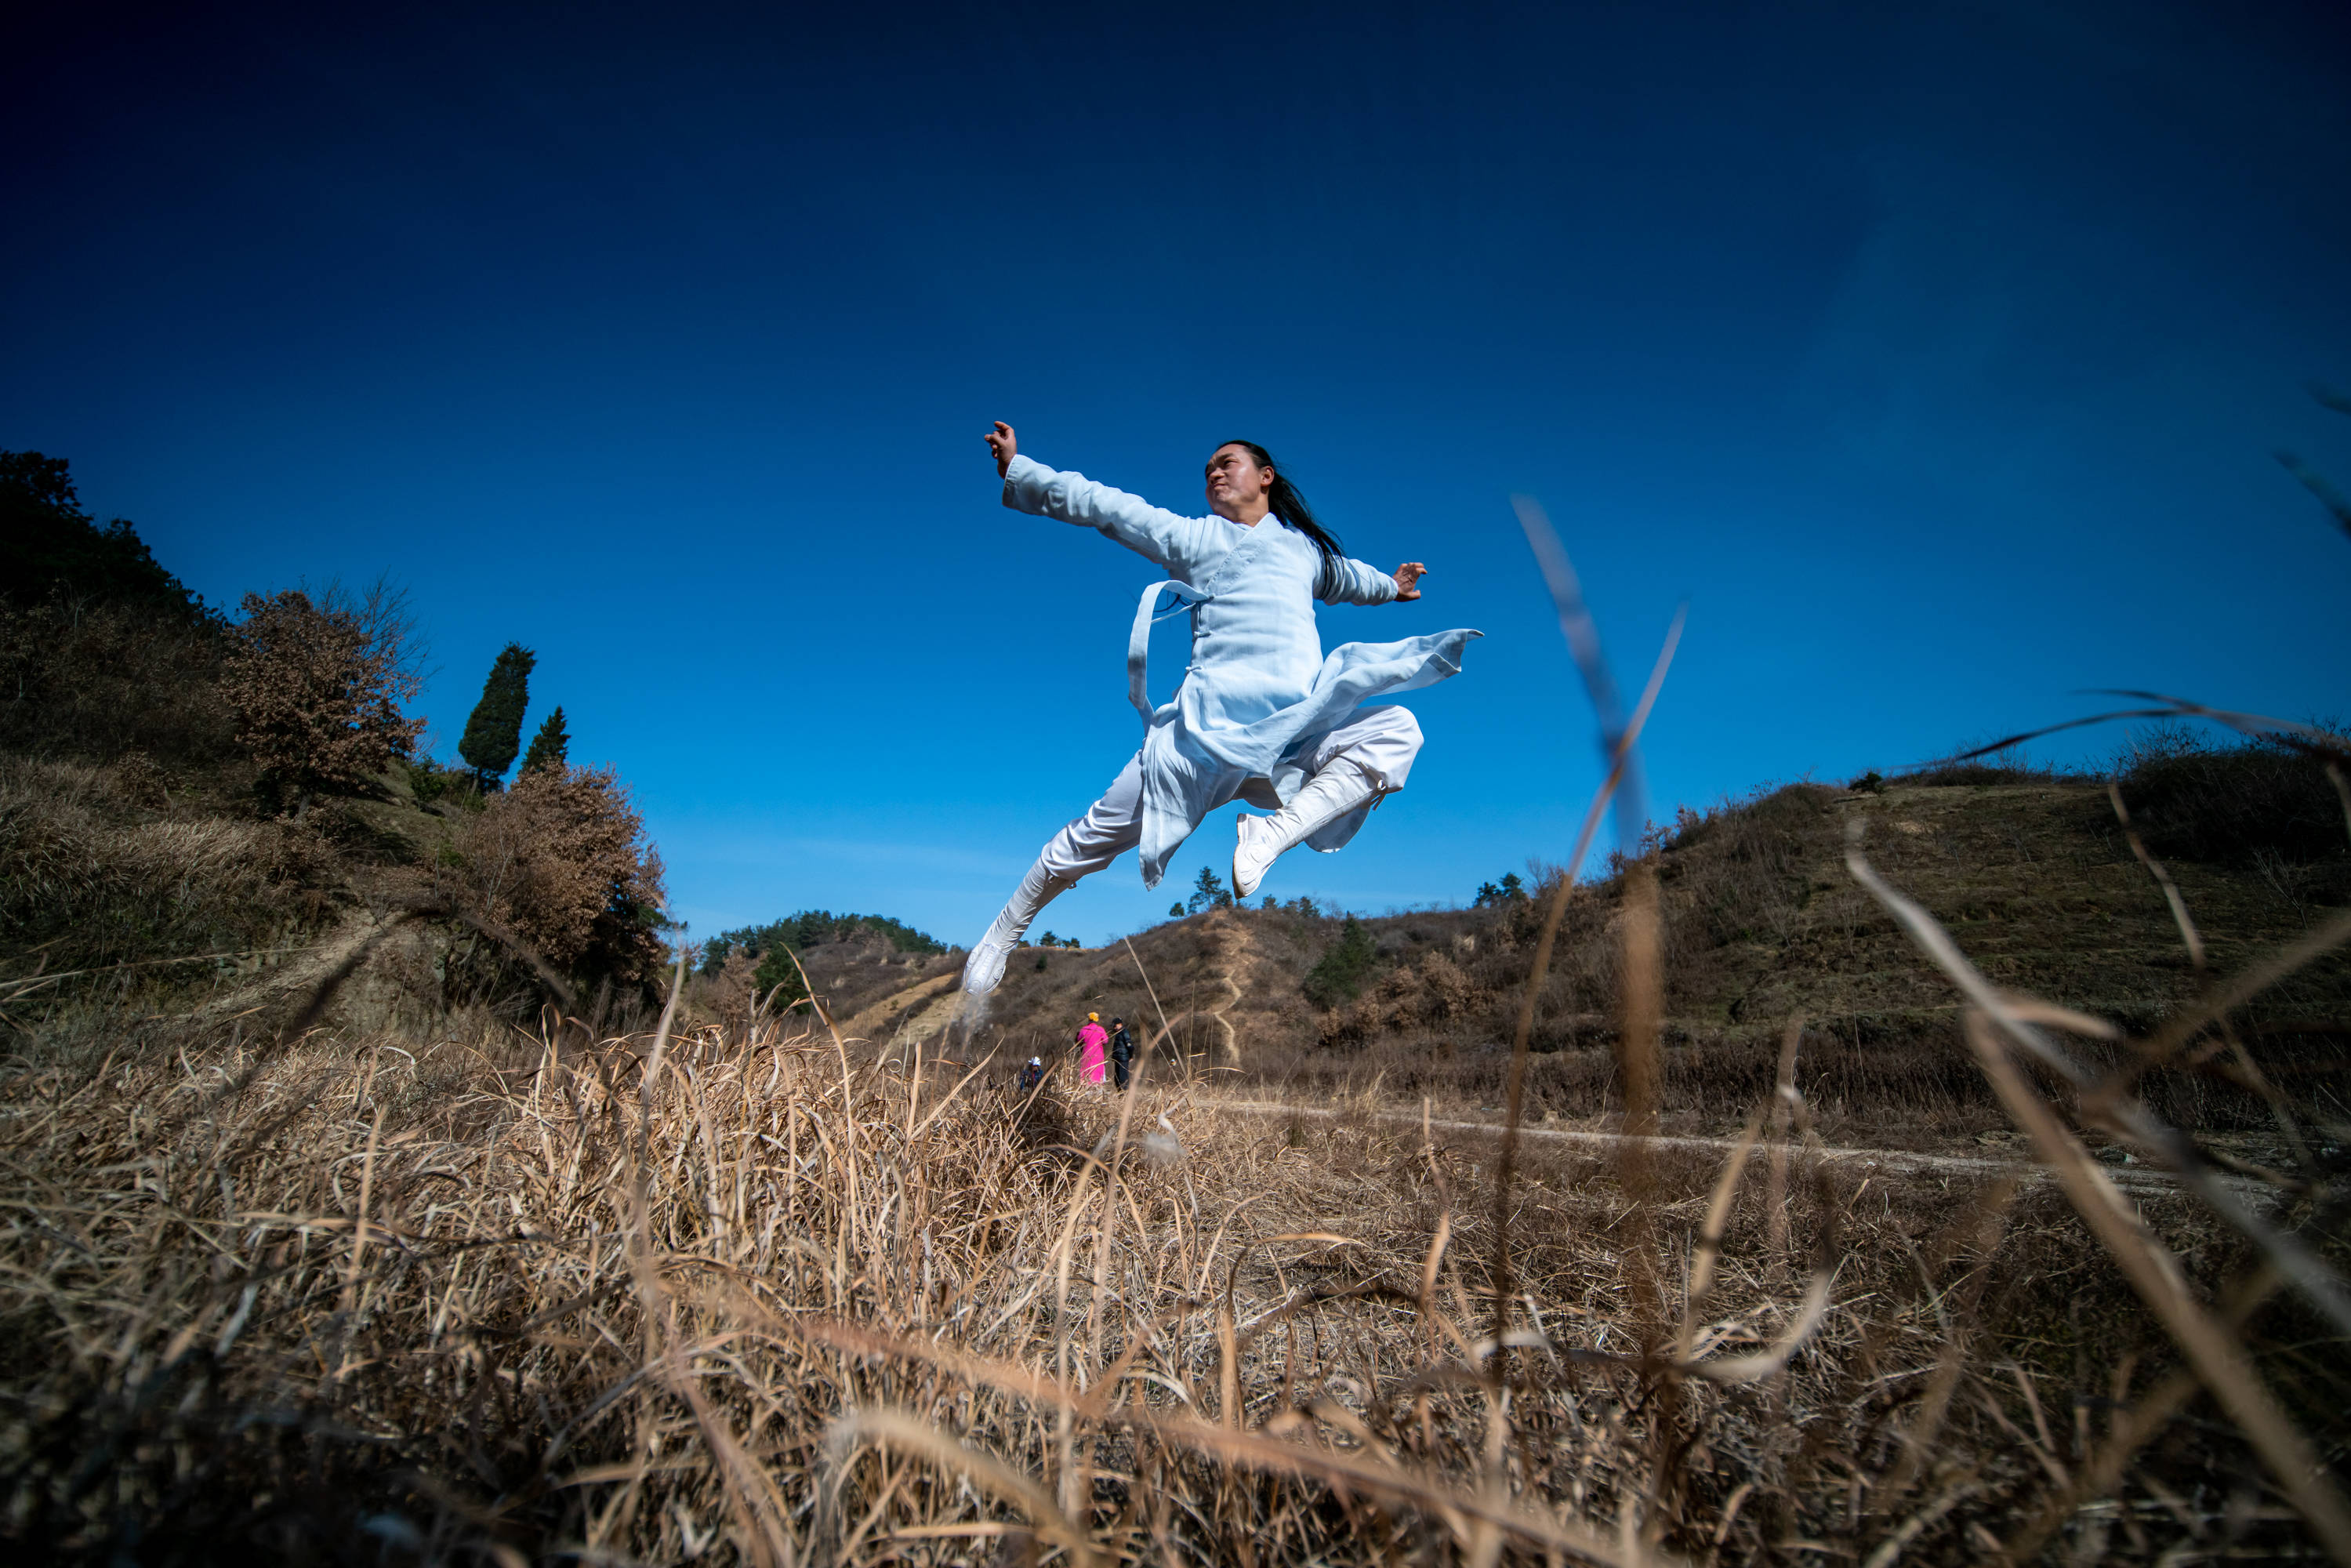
x: 207, y: 821
x: 2031, y: 873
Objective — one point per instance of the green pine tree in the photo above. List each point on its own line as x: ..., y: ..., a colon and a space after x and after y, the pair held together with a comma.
x: 550, y: 747
x: 1209, y: 892
x: 494, y: 733
x: 1344, y: 966
x: 779, y: 978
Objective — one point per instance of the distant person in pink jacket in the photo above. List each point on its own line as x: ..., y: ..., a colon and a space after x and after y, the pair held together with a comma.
x: 1091, y: 1040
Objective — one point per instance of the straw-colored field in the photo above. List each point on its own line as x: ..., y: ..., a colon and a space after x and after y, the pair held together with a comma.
x: 780, y: 1298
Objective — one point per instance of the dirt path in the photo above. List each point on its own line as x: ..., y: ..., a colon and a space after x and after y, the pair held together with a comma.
x: 1234, y: 956
x: 2139, y: 1178
x: 929, y: 1007
x: 303, y: 970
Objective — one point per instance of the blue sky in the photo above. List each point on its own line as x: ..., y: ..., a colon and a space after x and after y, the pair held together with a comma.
x: 1935, y: 354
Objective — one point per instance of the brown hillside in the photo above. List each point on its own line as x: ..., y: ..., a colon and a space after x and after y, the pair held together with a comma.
x: 1764, y: 923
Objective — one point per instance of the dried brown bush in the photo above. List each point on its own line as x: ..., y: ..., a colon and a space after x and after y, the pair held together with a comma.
x: 733, y: 992
x: 317, y: 685
x: 562, y: 861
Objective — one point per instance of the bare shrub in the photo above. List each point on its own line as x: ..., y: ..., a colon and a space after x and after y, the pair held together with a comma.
x: 1448, y: 993
x: 562, y: 861
x: 317, y: 685
x: 733, y: 990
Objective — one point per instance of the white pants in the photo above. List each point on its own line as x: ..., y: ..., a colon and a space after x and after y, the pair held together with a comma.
x: 1379, y: 742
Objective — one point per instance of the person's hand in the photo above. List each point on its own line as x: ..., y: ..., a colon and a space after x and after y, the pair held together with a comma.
x: 1003, y: 445
x: 1407, y: 579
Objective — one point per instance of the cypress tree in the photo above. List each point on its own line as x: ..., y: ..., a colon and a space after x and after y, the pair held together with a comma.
x: 550, y: 747
x: 494, y: 733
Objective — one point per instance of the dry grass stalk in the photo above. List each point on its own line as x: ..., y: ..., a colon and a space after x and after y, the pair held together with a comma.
x: 2179, y: 906
x: 2219, y: 1359
x: 1582, y: 640
x: 2217, y: 1355
x: 2302, y: 1266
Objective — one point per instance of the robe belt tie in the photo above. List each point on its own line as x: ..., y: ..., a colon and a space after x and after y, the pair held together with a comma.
x: 1148, y: 615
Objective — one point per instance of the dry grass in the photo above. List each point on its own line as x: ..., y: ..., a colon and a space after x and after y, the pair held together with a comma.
x: 766, y: 1297
x: 91, y: 874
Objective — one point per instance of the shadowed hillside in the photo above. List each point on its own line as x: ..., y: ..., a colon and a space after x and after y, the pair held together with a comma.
x: 203, y: 819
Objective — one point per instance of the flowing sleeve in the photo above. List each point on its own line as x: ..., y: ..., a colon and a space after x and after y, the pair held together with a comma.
x: 1352, y: 582
x: 1176, y: 544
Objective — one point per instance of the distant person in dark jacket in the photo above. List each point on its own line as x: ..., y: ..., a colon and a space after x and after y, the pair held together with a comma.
x: 1121, y: 1049
x: 1032, y: 1075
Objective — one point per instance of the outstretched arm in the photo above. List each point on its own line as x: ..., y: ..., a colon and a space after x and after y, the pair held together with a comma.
x: 1353, y: 582
x: 1177, y: 544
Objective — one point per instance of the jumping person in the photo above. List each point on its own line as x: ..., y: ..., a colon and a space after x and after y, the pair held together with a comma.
x: 1261, y: 714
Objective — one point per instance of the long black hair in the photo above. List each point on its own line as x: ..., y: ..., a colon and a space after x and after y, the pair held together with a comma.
x: 1284, y: 501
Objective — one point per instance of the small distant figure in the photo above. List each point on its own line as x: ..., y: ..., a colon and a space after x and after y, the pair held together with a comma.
x: 1032, y: 1075
x: 1092, y: 1039
x: 1122, y: 1050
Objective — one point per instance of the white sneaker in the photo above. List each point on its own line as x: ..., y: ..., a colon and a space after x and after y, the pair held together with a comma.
x: 1330, y: 795
x: 1255, y: 849
x: 984, y: 970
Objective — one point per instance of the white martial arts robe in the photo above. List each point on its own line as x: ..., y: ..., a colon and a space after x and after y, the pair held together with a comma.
x: 1261, y: 709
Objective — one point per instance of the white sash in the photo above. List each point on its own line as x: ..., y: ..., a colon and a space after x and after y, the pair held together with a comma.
x: 1148, y: 614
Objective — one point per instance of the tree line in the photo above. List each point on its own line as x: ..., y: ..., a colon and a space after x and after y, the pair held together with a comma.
x: 771, y: 950
x: 814, y: 927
